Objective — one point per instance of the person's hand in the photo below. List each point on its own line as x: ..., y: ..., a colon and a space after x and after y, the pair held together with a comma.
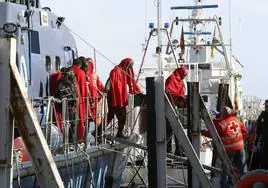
x: 180, y: 98
x: 141, y: 95
x: 215, y: 113
x: 255, y: 149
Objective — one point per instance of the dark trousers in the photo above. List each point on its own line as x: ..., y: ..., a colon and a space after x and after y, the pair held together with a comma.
x: 255, y: 163
x: 169, y: 134
x: 120, y: 113
x: 238, y: 159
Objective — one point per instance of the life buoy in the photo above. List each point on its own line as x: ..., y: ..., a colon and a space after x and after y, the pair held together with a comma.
x: 255, y: 176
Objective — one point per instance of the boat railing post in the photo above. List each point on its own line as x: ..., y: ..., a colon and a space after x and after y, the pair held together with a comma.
x: 76, y: 122
x: 156, y: 134
x: 96, y: 128
x: 68, y: 123
x: 50, y: 123
x: 126, y: 126
x: 65, y: 125
x: 47, y: 120
x: 87, y: 116
x: 104, y: 123
x: 193, y: 129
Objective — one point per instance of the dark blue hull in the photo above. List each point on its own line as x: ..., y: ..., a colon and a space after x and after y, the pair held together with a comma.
x: 105, y: 172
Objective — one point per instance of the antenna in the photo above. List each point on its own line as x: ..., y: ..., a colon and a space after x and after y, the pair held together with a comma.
x: 230, y: 31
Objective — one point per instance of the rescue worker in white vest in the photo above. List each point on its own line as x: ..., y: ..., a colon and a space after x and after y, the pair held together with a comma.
x: 231, y: 131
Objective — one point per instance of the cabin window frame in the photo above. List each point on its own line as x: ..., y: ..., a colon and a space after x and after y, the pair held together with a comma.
x: 48, y: 64
x: 57, y: 63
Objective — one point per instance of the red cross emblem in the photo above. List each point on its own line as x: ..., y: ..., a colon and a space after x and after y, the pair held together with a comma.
x: 234, y: 127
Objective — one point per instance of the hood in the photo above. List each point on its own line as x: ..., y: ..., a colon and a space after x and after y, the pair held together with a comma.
x: 180, y: 72
x: 126, y: 63
x: 227, y: 111
x: 90, y: 66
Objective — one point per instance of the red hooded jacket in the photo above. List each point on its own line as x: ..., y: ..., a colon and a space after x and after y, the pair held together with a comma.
x: 95, y: 85
x: 121, y: 76
x: 82, y: 94
x: 174, y: 84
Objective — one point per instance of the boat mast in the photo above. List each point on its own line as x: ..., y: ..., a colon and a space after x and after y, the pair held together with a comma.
x: 158, y: 179
x: 230, y: 31
x: 159, y: 46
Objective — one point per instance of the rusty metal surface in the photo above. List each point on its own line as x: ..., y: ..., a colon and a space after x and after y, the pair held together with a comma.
x: 6, y: 125
x: 30, y: 130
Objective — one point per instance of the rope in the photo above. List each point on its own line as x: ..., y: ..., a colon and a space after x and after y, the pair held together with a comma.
x: 89, y: 165
x: 18, y: 160
x: 66, y: 161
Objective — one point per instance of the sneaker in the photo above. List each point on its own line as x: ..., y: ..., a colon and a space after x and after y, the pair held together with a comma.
x: 121, y: 135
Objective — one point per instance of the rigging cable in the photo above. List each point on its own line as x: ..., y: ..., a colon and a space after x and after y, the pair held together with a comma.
x: 99, y: 52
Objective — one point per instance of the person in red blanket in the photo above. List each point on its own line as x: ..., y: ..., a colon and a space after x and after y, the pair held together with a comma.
x: 117, y: 93
x: 232, y: 133
x: 175, y: 91
x: 96, y: 87
x: 175, y: 87
x: 82, y: 94
x: 95, y: 90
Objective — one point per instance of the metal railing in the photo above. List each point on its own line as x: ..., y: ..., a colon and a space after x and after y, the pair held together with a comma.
x: 59, y: 120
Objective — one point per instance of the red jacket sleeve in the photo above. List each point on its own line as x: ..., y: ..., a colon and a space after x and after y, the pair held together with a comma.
x: 81, y: 81
x: 243, y: 130
x: 218, y: 127
x: 133, y: 86
x: 100, y: 85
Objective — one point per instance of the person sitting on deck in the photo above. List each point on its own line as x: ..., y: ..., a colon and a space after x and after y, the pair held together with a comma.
x: 175, y: 91
x: 117, y: 95
x: 232, y: 132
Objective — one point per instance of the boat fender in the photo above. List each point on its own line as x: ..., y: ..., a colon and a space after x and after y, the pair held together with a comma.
x: 254, y: 179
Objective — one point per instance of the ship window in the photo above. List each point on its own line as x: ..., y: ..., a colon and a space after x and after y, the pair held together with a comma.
x: 205, y: 98
x: 35, y: 42
x: 57, y: 63
x: 48, y: 64
x: 204, y: 66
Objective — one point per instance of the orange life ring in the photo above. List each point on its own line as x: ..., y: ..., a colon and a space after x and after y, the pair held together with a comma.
x: 248, y: 180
